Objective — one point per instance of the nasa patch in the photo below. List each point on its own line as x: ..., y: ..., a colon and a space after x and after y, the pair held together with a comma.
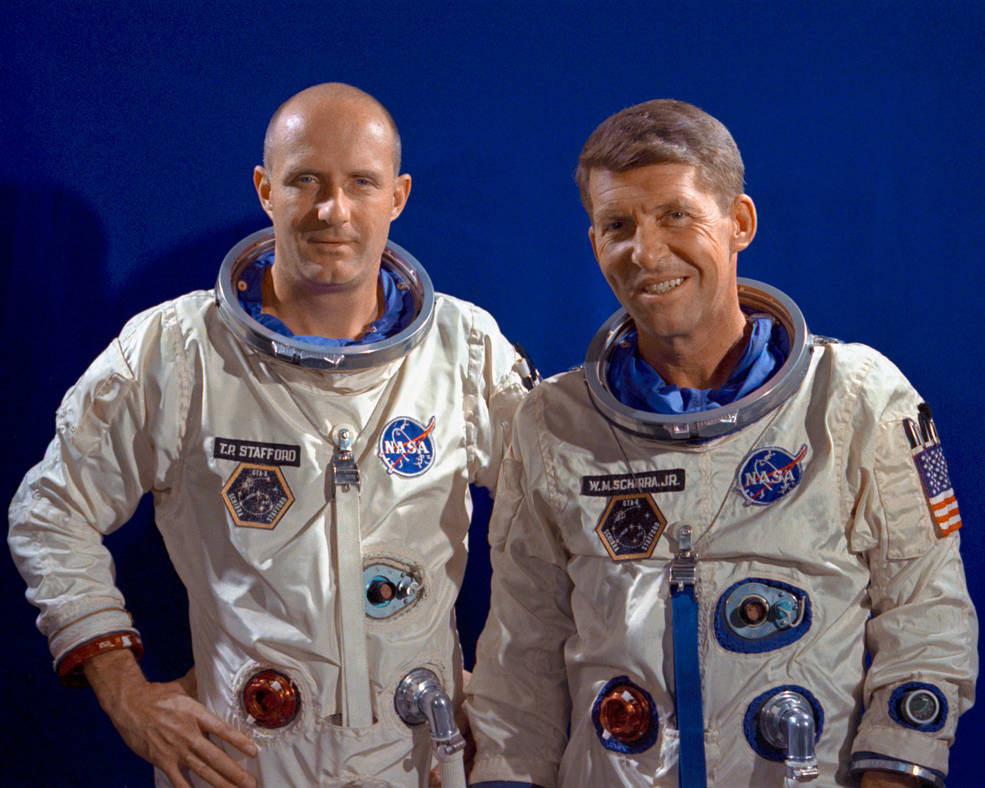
x: 768, y: 474
x: 257, y: 495
x: 405, y: 447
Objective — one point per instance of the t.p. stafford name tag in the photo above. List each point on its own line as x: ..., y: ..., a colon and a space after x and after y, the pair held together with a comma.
x: 255, y: 451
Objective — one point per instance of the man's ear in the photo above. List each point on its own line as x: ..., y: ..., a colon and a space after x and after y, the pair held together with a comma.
x: 261, y: 182
x: 401, y: 190
x: 743, y: 213
x: 591, y: 240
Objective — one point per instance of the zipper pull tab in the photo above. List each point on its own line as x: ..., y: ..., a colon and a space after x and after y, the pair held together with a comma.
x: 344, y: 469
x: 683, y: 567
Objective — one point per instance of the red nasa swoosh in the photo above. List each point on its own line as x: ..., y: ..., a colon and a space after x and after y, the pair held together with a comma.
x: 412, y: 441
x: 794, y: 461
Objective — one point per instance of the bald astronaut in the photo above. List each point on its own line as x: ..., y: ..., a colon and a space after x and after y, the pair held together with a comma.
x: 309, y: 430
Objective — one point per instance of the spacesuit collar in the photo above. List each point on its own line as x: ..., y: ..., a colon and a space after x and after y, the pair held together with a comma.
x: 637, y: 384
x: 297, y: 350
x: 756, y: 299
x: 399, y: 305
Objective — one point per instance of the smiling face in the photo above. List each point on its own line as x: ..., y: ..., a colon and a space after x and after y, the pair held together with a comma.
x: 668, y: 251
x: 331, y: 192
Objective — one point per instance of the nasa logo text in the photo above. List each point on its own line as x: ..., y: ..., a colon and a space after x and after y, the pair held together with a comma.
x: 406, y: 447
x: 769, y: 473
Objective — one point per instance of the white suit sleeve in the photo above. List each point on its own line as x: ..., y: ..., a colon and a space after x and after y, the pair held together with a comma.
x: 923, y: 630
x: 495, y: 385
x: 519, y: 704
x: 114, y: 431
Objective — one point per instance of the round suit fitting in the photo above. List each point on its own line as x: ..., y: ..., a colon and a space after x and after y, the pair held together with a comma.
x: 625, y: 716
x: 271, y: 699
x: 919, y: 707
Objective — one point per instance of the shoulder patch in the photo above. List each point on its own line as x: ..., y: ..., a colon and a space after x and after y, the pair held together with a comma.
x: 928, y: 456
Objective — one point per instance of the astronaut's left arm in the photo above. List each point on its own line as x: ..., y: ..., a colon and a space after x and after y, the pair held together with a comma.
x: 923, y: 631
x: 499, y: 375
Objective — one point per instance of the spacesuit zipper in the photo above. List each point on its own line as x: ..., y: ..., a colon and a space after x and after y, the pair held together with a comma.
x: 356, y: 702
x: 687, y: 670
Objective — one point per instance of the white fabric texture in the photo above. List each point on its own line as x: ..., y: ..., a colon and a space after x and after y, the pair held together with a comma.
x: 146, y: 416
x: 855, y: 533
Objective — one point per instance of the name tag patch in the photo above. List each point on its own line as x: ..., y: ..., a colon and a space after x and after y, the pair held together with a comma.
x: 671, y: 480
x: 254, y: 451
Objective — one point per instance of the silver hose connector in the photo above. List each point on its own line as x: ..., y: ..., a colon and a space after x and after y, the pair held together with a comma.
x: 421, y: 698
x: 786, y: 721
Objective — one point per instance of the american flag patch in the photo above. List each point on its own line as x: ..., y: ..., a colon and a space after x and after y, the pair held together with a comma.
x: 932, y: 467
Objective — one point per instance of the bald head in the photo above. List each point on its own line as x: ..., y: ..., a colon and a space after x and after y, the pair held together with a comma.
x: 326, y: 99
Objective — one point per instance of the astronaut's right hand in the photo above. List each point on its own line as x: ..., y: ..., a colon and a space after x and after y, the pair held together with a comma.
x: 165, y: 725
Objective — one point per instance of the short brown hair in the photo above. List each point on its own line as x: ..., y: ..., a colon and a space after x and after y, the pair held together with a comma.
x: 664, y: 131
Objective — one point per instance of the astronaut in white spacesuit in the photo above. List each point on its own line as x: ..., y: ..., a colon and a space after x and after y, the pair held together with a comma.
x: 309, y: 430
x: 702, y: 537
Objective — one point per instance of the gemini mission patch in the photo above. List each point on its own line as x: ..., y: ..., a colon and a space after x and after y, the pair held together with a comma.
x: 630, y: 526
x: 257, y: 495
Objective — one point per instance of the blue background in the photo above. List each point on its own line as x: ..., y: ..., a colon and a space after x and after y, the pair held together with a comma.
x: 130, y: 131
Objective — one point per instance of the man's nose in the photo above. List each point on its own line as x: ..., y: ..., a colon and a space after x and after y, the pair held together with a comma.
x: 649, y: 246
x: 333, y: 207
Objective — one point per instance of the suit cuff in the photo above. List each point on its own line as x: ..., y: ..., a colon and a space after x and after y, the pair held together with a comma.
x: 866, y: 761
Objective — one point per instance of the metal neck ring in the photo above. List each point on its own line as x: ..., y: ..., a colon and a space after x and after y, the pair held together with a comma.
x: 307, y: 354
x: 754, y: 297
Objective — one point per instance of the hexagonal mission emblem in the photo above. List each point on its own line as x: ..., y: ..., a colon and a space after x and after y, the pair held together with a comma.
x: 257, y: 495
x: 630, y: 526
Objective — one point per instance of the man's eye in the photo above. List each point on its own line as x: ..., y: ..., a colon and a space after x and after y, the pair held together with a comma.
x: 676, y: 216
x: 306, y: 180
x: 614, y: 226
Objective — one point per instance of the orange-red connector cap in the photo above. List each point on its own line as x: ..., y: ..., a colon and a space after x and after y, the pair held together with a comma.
x: 625, y: 714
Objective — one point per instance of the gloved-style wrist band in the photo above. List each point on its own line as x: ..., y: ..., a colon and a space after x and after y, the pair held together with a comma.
x: 864, y: 761
x: 69, y: 667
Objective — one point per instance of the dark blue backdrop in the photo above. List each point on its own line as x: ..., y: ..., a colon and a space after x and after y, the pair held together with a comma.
x: 130, y: 130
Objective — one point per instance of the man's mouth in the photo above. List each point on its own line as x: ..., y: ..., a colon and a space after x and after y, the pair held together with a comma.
x: 656, y: 288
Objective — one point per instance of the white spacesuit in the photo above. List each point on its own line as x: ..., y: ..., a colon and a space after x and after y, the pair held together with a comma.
x: 808, y: 505
x: 314, y: 501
